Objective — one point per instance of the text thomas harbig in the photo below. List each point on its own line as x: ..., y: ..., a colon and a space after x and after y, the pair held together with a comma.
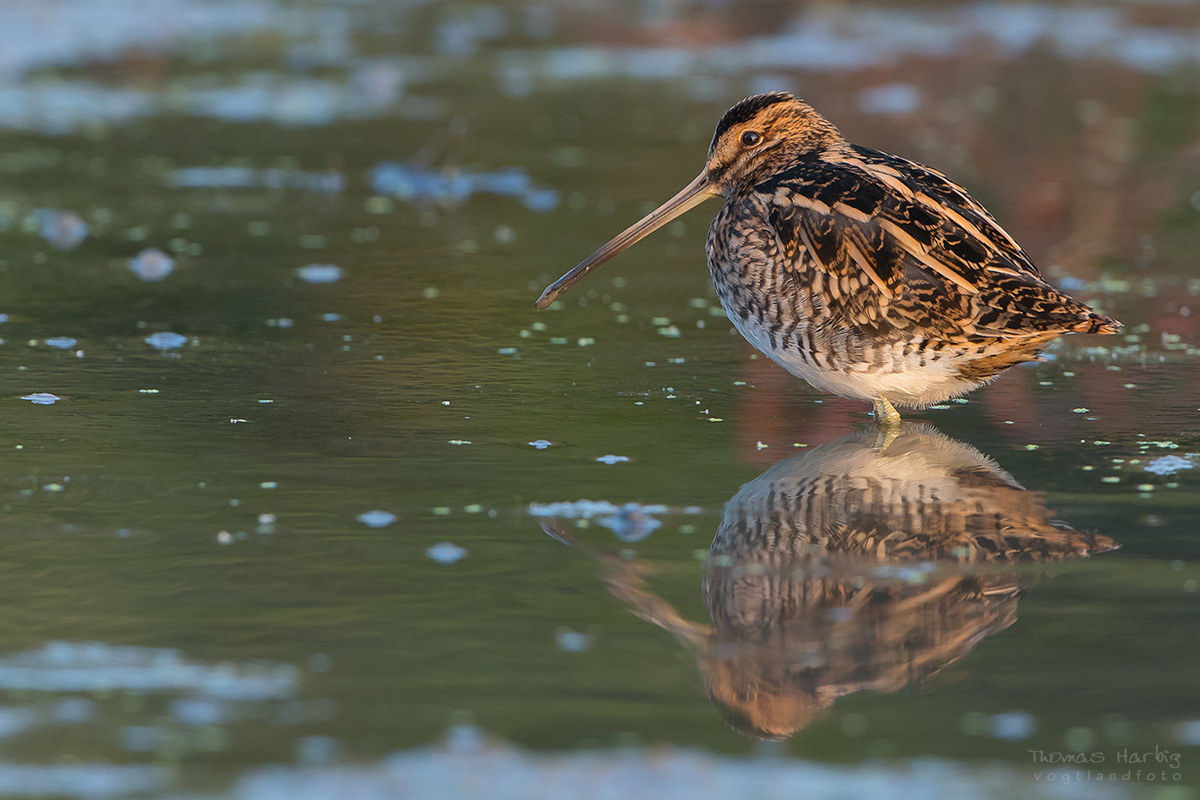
x: 1167, y: 758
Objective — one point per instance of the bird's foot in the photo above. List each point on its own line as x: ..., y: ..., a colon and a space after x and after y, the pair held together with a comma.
x: 886, y: 414
x: 888, y: 420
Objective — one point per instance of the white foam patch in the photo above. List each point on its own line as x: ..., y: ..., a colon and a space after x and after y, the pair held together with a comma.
x: 827, y: 39
x: 95, y: 666
x: 469, y: 766
x: 80, y: 780
x: 1168, y: 465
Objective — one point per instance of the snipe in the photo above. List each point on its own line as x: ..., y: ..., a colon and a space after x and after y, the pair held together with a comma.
x: 867, y: 275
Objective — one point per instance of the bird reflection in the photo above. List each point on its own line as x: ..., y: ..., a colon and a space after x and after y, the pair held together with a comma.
x: 849, y: 569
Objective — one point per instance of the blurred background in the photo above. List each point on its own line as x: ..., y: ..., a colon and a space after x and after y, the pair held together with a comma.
x: 285, y: 435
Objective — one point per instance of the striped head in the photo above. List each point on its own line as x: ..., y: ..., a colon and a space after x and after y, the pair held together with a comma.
x: 762, y: 135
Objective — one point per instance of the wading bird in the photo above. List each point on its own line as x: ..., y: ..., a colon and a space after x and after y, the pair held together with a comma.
x: 867, y: 275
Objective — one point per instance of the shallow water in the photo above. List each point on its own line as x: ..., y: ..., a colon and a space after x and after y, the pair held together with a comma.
x: 286, y: 435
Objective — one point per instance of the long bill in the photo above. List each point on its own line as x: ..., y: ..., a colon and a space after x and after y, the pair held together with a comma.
x: 692, y: 195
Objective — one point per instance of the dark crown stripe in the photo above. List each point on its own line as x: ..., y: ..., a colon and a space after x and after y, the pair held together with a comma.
x: 746, y: 110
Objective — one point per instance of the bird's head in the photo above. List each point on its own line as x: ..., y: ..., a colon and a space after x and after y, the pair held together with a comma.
x: 762, y: 135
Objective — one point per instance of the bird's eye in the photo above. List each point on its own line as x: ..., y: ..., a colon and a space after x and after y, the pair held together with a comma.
x: 751, y: 138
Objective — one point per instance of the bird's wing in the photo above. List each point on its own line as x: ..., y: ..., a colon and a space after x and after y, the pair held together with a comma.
x: 924, y: 184
x: 903, y: 238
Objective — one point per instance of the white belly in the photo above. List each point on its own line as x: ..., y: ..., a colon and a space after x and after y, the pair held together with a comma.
x: 902, y: 379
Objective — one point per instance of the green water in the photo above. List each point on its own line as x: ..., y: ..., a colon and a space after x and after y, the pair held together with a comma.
x: 188, y: 585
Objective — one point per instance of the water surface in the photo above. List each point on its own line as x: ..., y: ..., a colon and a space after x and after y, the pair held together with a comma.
x: 286, y: 436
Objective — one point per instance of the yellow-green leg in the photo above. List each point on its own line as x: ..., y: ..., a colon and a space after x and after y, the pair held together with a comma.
x: 888, y: 419
x: 885, y: 413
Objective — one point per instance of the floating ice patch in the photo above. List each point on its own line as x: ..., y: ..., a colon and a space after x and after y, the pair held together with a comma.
x: 867, y: 37
x: 611, y: 459
x: 570, y: 641
x: 60, y: 342
x: 421, y: 184
x: 76, y: 780
x: 1188, y: 733
x: 1012, y: 725
x: 1168, y: 465
x: 541, y: 444
x: 896, y: 98
x: 42, y: 398
x: 470, y: 765
x: 580, y: 509
x: 376, y: 518
x: 320, y: 273
x: 151, y: 265
x: 909, y: 574
x: 418, y: 183
x: 445, y: 553
x: 64, y: 230
x: 248, y: 178
x: 314, y: 750
x: 74, y: 710
x: 541, y: 199
x: 96, y: 667
x: 60, y: 106
x: 165, y: 340
x: 198, y: 711
x: 16, y: 720
x: 632, y: 522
